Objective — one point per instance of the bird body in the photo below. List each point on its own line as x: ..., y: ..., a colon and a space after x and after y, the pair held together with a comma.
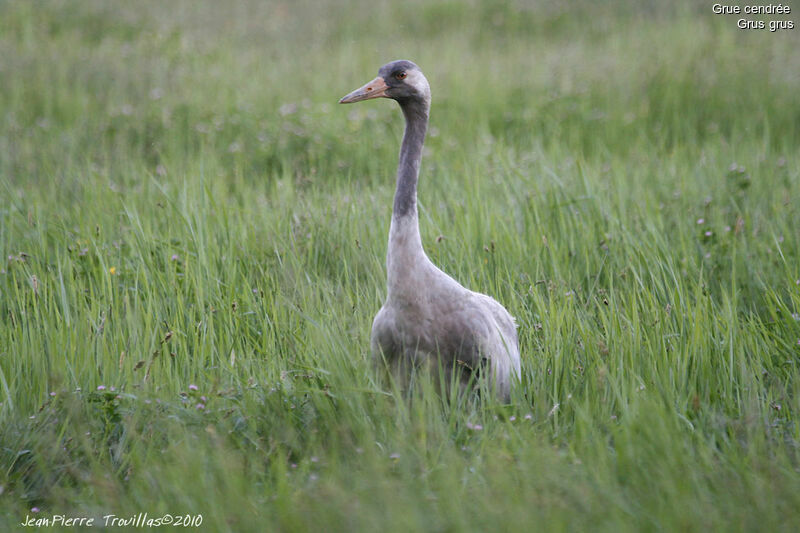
x: 428, y: 319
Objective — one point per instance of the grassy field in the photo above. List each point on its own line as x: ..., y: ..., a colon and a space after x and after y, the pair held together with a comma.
x: 193, y: 235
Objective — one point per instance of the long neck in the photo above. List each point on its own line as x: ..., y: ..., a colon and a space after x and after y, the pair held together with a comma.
x: 405, y: 197
x: 405, y: 252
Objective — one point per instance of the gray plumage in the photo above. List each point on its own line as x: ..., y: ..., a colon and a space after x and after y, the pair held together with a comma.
x: 428, y: 319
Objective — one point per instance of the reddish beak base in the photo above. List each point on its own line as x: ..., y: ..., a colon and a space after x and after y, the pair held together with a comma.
x: 374, y: 89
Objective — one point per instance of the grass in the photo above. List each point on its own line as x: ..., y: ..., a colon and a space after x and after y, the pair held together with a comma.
x: 188, y: 217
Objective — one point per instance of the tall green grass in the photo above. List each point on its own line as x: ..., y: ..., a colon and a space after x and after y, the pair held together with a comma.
x: 183, y: 204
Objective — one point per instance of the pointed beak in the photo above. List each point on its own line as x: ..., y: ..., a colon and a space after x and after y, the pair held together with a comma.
x: 374, y: 89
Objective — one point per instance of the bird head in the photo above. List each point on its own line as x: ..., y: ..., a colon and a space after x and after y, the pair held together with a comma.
x: 399, y: 80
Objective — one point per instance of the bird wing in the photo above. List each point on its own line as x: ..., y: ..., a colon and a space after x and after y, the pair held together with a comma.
x: 507, y: 328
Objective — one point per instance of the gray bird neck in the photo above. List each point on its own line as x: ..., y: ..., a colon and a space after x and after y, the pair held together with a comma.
x: 405, y: 198
x: 405, y: 245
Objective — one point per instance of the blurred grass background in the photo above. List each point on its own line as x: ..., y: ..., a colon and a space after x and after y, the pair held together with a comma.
x: 183, y: 203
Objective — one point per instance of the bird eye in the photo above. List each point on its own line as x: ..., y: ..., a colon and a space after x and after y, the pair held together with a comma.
x: 400, y: 75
